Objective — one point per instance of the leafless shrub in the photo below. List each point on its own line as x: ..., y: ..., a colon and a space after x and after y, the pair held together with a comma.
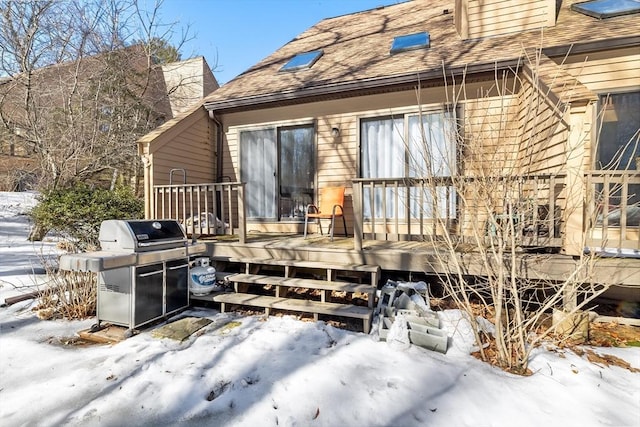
x: 509, y: 190
x: 69, y: 295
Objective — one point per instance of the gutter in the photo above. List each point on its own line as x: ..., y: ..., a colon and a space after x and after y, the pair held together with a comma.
x: 573, y: 49
x: 339, y: 90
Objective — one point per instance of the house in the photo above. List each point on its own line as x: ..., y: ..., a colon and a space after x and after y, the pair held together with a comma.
x: 130, y: 94
x: 440, y: 118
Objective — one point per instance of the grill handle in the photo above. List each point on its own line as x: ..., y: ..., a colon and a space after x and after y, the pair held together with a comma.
x: 178, y: 267
x: 151, y: 273
x: 159, y: 243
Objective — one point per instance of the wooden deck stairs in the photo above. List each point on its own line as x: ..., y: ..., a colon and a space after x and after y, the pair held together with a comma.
x: 269, y: 284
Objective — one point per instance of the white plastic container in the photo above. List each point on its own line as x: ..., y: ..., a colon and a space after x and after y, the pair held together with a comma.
x: 202, y: 278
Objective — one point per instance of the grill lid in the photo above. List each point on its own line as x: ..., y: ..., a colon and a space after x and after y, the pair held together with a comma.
x: 140, y: 235
x: 156, y: 230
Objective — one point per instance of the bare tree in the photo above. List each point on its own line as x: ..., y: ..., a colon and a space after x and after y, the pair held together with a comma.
x: 82, y: 84
x: 512, y: 187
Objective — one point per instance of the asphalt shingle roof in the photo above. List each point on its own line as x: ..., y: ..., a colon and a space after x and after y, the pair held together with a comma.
x: 356, y: 49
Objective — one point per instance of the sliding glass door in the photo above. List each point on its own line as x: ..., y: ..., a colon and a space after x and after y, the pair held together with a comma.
x: 297, y: 171
x: 278, y: 166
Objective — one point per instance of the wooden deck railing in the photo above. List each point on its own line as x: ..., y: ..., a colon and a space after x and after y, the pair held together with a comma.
x: 405, y: 208
x: 613, y: 210
x: 204, y: 209
x: 412, y: 208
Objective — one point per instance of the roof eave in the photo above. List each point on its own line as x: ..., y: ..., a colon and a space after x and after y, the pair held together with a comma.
x: 587, y: 47
x: 345, y: 89
x: 403, y: 81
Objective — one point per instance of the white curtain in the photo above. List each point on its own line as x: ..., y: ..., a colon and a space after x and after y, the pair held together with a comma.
x: 426, y: 149
x: 432, y: 153
x: 382, y: 156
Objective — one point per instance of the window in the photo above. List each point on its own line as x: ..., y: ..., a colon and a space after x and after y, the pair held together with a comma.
x: 302, y: 60
x: 618, y: 148
x: 410, y: 42
x: 620, y: 124
x: 278, y: 165
x: 413, y: 145
x: 603, y: 9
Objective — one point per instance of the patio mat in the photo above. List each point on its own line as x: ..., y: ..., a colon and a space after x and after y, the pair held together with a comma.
x: 181, y: 329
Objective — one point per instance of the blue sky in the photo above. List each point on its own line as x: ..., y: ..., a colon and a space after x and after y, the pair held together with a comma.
x: 233, y: 35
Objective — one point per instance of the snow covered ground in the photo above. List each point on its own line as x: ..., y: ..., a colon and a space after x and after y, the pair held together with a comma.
x: 277, y: 372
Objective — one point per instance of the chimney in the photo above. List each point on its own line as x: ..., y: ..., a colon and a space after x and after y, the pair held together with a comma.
x: 476, y: 19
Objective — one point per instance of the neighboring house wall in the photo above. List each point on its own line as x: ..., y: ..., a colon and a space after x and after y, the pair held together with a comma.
x: 161, y: 92
x: 190, y: 145
x: 485, y: 18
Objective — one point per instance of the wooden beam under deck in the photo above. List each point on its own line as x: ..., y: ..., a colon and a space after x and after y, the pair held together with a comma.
x: 417, y: 257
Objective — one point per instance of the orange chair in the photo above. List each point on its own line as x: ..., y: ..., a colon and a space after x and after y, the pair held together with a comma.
x: 331, y: 206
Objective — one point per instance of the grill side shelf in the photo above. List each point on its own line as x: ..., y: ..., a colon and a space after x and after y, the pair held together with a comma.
x: 96, y: 261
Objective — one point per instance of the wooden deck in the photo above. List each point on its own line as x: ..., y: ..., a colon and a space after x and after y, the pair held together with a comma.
x: 412, y: 256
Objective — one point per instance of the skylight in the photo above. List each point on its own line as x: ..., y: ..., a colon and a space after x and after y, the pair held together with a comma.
x: 410, y: 42
x: 302, y: 60
x: 602, y: 9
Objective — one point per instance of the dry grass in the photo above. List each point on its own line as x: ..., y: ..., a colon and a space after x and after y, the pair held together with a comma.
x: 69, y: 295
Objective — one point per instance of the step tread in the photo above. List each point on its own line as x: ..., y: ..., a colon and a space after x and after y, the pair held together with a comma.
x: 346, y: 310
x: 295, y: 282
x: 304, y: 264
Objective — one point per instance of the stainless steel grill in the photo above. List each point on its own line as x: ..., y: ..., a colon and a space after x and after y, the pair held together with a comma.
x: 143, y: 270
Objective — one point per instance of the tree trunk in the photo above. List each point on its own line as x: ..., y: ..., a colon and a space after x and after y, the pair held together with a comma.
x: 37, y: 233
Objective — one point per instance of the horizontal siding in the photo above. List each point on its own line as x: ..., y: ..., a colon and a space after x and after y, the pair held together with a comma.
x: 337, y: 160
x: 490, y: 18
x: 604, y: 71
x: 230, y: 167
x: 542, y: 144
x: 193, y: 150
x: 491, y: 135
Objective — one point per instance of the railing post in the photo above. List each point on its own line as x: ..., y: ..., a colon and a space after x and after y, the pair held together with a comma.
x: 573, y: 218
x: 357, y: 215
x: 242, y: 215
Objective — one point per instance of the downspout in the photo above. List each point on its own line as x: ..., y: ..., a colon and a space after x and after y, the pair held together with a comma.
x: 147, y: 176
x: 219, y: 144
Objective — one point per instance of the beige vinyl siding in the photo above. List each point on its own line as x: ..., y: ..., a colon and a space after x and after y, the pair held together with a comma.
x: 490, y: 119
x: 230, y: 155
x: 605, y: 71
x: 490, y: 130
x: 190, y: 146
x: 491, y: 149
x: 336, y: 160
x: 614, y: 70
x: 486, y: 18
x: 542, y: 132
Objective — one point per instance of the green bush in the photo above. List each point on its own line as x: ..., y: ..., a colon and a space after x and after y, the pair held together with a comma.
x: 76, y: 213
